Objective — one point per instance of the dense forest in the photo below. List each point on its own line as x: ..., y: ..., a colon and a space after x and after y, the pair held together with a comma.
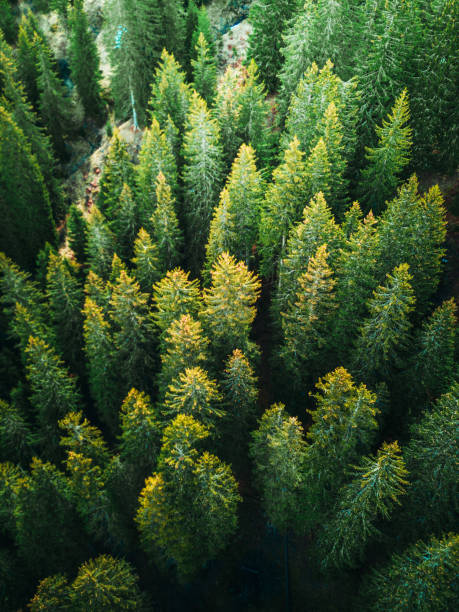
x: 228, y: 304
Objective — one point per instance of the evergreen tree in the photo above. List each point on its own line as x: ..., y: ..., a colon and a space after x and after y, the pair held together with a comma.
x: 117, y: 171
x: 8, y: 22
x: 278, y: 451
x: 25, y: 324
x: 282, y: 206
x: 170, y: 95
x: 100, y: 349
x: 100, y: 245
x: 65, y: 298
x: 191, y: 27
x: 27, y: 54
x: 431, y: 460
x: 343, y: 426
x: 226, y: 111
x: 387, y: 160
x: 385, y: 332
x: 24, y: 199
x: 434, y: 361
x: 229, y: 305
x: 185, y: 346
x: 53, y: 593
x: 76, y: 233
x: 201, y: 175
x: 412, y: 230
x: 174, y: 296
x: 222, y: 233
x: 204, y: 70
x: 193, y: 393
x: 421, y: 578
x: 319, y: 171
x: 18, y: 288
x: 83, y: 438
x: 269, y: 20
x: 156, y: 156
x: 146, y: 265
x: 125, y: 222
x: 84, y: 62
x: 56, y: 109
x: 165, y: 226
x: 16, y: 438
x: 306, y: 322
x: 333, y: 133
x: 377, y: 484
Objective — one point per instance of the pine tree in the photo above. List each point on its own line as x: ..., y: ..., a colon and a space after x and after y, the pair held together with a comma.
x: 412, y: 230
x: 333, y: 133
x: 174, y: 296
x: 282, y: 206
x: 269, y: 20
x: 226, y: 111
x: 434, y: 361
x: 319, y: 171
x: 16, y: 438
x: 100, y: 349
x: 165, y: 227
x: 318, y: 227
x: 185, y: 346
x: 131, y: 334
x: 385, y: 332
x: 421, y: 578
x: 117, y: 171
x: 343, y: 425
x: 106, y: 583
x: 84, y: 62
x: 204, y: 70
x: 201, y: 175
x: 27, y: 50
x: 156, y: 156
x: 170, y: 95
x: 193, y: 393
x: 241, y: 203
x: 53, y: 593
x: 376, y: 487
x: 306, y: 322
x: 204, y: 27
x: 125, y: 222
x: 431, y: 460
x: 24, y: 199
x: 65, y: 298
x: 76, y: 233
x: 145, y: 260
x: 229, y: 305
x: 278, y: 451
x: 56, y: 109
x: 387, y: 160
x: 100, y: 245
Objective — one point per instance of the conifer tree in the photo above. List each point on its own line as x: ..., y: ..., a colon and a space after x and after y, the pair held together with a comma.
x: 156, y: 155
x: 375, y: 489
x: 319, y: 172
x: 269, y: 20
x: 84, y: 62
x: 204, y: 70
x: 170, y: 95
x: 193, y: 393
x: 24, y: 200
x: 65, y: 298
x: 174, y: 296
x: 83, y: 438
x: 8, y: 22
x: 203, y: 26
x: 25, y: 324
x: 385, y: 332
x: 27, y: 54
x: 412, y: 231
x: 306, y: 322
x: 227, y: 109
x: 165, y: 227
x: 387, y: 160
x: 201, y: 175
x: 185, y: 346
x: 191, y: 27
x: 318, y: 227
x: 333, y: 133
x: 145, y: 260
x: 76, y: 233
x: 431, y: 460
x: 125, y: 222
x: 229, y: 305
x: 16, y: 438
x: 131, y: 334
x: 53, y: 593
x: 98, y: 290
x: 100, y: 349
x: 343, y: 425
x: 53, y: 391
x: 278, y: 451
x: 421, y: 578
x: 117, y: 171
x: 222, y: 233
x: 100, y: 245
x: 282, y: 206
x: 434, y: 361
x: 17, y: 287
x: 56, y: 109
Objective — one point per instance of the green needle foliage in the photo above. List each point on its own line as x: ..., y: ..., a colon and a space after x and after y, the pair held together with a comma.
x: 165, y: 227
x: 204, y: 70
x: 145, y: 260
